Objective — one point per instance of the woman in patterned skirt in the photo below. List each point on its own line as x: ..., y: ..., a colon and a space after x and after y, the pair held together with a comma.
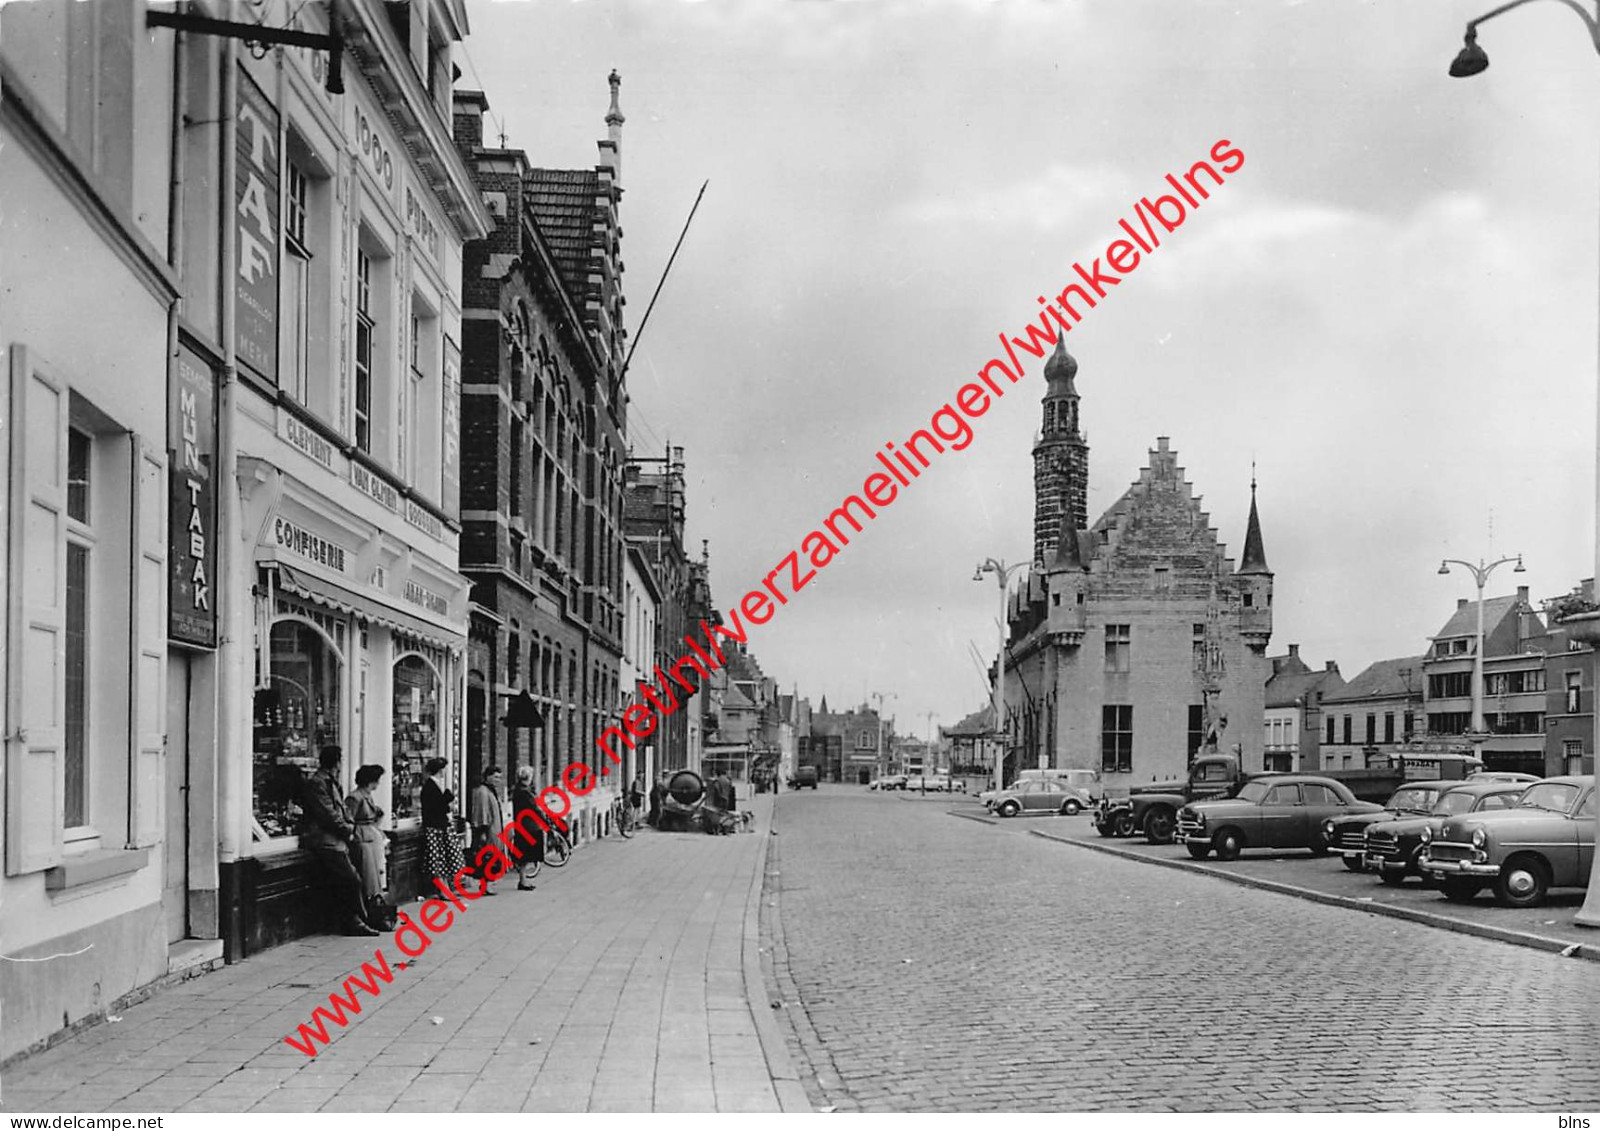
x: 444, y: 858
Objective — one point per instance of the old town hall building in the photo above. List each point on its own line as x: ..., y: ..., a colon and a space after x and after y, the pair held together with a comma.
x: 1134, y: 643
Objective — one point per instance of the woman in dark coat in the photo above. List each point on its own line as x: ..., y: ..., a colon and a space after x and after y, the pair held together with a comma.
x: 444, y: 858
x: 532, y: 848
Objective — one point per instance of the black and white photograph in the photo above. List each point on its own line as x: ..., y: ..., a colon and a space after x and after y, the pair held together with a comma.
x: 799, y: 556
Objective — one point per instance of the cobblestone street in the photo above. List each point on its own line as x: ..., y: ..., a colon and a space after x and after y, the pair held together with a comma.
x: 932, y: 963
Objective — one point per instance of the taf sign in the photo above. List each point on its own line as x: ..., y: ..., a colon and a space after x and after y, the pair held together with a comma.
x: 192, y: 511
x: 256, y: 208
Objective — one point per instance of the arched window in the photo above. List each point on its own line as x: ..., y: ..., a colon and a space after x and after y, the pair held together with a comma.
x: 416, y: 732
x: 296, y: 714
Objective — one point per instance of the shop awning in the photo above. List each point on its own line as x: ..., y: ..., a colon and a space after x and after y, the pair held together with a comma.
x: 312, y: 588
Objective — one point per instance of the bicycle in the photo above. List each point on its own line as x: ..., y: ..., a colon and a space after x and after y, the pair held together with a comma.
x: 624, y: 817
x: 557, y: 848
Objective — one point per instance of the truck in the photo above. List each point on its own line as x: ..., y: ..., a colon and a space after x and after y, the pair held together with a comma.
x: 1152, y: 809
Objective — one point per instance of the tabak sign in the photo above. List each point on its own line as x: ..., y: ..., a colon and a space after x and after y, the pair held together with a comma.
x: 256, y: 221
x: 192, y: 510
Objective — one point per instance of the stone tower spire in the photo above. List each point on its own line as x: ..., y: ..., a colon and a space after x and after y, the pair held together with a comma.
x: 611, y: 148
x: 1060, y: 458
x: 1254, y: 559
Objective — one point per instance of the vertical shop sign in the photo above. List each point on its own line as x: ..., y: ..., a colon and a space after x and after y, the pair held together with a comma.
x: 192, y: 511
x: 450, y: 457
x: 256, y: 214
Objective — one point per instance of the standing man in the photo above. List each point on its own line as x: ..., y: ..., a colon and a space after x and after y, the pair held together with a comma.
x: 486, y: 818
x: 657, y: 792
x: 327, y: 831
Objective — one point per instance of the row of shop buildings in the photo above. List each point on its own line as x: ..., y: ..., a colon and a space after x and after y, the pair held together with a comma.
x: 1538, y: 694
x: 317, y: 435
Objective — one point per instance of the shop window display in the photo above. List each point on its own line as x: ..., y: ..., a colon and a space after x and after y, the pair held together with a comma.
x: 416, y: 732
x: 296, y: 714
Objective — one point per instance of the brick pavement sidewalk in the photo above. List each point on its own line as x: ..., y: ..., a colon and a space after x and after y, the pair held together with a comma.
x: 623, y: 983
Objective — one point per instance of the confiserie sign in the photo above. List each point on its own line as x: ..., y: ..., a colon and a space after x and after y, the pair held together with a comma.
x: 192, y: 511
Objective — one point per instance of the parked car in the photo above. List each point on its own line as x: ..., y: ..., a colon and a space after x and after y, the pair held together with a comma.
x: 1040, y: 795
x: 1285, y: 811
x: 1086, y: 782
x: 1504, y: 776
x: 925, y: 784
x: 1347, y: 835
x: 1545, y: 841
x: 1394, y: 847
x: 805, y: 777
x: 893, y: 781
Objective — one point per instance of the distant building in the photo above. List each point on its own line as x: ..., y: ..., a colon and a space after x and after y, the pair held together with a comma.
x: 1292, y: 722
x: 1135, y: 643
x: 1378, y: 713
x: 1569, y: 690
x: 1514, y: 672
x: 855, y: 757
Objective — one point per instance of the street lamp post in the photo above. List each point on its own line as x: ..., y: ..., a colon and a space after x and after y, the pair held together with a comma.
x: 883, y: 769
x: 1480, y: 575
x: 1472, y: 60
x: 1002, y: 576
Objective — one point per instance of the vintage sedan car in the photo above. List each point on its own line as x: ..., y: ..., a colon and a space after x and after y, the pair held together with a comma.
x: 1394, y: 847
x: 1040, y: 795
x: 1545, y: 841
x: 1283, y: 811
x: 1347, y: 835
x: 893, y: 781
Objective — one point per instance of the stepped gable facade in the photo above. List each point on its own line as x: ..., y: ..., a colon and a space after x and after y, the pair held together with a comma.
x: 1135, y: 644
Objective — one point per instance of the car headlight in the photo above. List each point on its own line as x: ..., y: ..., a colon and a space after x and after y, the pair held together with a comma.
x: 1427, y: 835
x: 1327, y: 828
x: 1479, y: 838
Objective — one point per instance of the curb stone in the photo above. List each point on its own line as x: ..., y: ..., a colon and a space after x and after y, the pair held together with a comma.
x: 1589, y: 951
x: 972, y: 817
x: 785, y: 1079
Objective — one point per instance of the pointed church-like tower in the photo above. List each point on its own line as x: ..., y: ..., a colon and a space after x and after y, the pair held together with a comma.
x: 1060, y: 458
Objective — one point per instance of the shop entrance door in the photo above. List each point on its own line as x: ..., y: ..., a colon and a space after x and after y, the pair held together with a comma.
x: 175, y: 882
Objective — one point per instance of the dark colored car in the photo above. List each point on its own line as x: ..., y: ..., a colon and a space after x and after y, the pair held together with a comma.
x: 1545, y: 841
x: 1346, y: 835
x: 1285, y: 811
x: 805, y: 777
x: 1394, y: 847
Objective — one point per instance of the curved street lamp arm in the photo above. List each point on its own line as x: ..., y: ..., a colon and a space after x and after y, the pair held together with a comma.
x: 1592, y: 22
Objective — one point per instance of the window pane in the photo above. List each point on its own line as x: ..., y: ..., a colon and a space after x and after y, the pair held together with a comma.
x: 77, y: 475
x: 297, y: 715
x: 416, y: 730
x: 76, y: 808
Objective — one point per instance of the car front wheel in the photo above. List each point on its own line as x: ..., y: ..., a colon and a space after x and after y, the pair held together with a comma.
x: 1522, y: 882
x: 1010, y: 809
x: 1229, y: 843
x: 1159, y: 826
x: 1071, y: 809
x: 1124, y: 823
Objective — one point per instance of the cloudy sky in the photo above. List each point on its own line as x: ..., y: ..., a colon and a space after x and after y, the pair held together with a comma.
x: 1391, y: 308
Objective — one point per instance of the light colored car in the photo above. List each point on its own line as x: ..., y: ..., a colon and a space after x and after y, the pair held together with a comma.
x: 1040, y: 795
x: 929, y: 783
x: 893, y: 781
x: 1545, y: 841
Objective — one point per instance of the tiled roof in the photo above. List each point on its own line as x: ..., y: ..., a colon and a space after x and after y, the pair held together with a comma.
x: 1287, y: 688
x: 563, y: 206
x: 977, y: 723
x: 1464, y: 621
x: 1381, y: 678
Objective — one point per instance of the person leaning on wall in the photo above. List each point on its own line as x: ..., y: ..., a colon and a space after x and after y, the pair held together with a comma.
x: 327, y: 832
x: 368, y: 849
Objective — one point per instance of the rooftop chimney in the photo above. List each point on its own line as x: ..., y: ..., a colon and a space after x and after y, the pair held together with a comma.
x: 1294, y: 650
x: 1331, y: 666
x: 1522, y: 594
x: 1461, y: 602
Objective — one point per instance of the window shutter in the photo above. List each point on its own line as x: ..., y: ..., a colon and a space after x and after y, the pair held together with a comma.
x: 36, y: 618
x: 147, y: 646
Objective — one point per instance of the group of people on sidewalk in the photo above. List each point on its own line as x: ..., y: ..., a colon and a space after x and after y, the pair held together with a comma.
x: 344, y: 836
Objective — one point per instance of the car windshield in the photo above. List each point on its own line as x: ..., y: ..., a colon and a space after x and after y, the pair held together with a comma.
x: 1253, y: 790
x: 1414, y: 799
x: 1456, y: 801
x: 1552, y: 795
